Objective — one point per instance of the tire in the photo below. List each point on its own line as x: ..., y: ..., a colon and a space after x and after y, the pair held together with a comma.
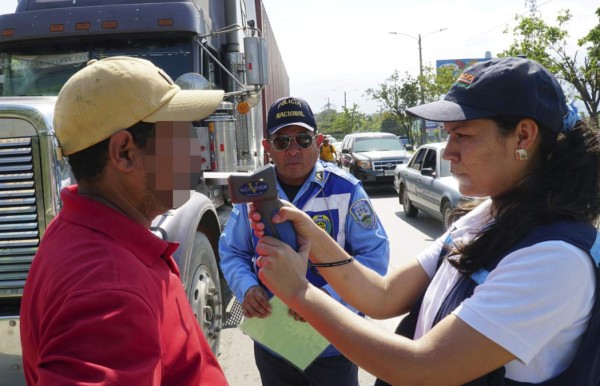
x: 447, y: 215
x: 409, y: 209
x: 203, y: 290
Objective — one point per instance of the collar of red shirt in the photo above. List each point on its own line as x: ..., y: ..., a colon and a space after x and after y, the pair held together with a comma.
x: 116, y: 225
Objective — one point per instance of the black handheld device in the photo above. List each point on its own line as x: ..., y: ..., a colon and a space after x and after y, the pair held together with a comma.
x: 260, y: 188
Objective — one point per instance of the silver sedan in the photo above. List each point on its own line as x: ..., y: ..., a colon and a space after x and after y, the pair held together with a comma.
x: 425, y: 183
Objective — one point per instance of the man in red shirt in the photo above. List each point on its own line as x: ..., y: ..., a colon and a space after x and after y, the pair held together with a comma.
x: 103, y: 302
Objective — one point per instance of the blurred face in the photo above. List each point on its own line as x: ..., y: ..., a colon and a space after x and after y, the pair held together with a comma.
x: 172, y: 162
x: 481, y: 159
x: 294, y: 163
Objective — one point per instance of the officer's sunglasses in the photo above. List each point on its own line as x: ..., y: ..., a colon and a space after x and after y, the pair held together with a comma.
x: 282, y: 142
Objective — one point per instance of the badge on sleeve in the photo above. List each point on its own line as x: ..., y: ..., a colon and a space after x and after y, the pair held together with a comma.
x: 363, y: 213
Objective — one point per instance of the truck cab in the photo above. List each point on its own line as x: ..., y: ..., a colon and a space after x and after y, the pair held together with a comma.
x: 45, y: 42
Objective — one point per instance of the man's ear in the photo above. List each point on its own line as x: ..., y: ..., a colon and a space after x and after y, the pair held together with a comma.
x: 319, y: 139
x: 526, y: 132
x: 266, y: 145
x: 122, y: 151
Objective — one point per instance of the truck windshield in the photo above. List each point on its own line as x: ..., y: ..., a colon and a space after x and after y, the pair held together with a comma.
x: 377, y: 144
x: 42, y: 70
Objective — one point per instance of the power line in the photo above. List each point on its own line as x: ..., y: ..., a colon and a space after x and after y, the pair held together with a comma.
x: 532, y: 6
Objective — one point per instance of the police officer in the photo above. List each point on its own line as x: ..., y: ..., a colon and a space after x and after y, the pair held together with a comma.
x: 337, y: 202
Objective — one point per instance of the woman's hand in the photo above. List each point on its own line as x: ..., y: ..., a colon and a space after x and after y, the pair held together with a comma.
x: 282, y: 269
x: 303, y: 224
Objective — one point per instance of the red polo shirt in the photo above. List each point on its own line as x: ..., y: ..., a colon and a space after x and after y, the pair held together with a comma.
x: 103, y: 304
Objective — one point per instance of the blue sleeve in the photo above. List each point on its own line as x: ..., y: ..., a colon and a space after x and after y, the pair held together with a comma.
x: 369, y: 244
x: 236, y: 251
x: 366, y: 241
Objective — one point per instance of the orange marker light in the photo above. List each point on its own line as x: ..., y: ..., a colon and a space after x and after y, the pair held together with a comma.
x: 110, y: 24
x: 243, y: 107
x: 165, y: 22
x: 57, y: 27
x: 84, y: 26
x: 8, y: 32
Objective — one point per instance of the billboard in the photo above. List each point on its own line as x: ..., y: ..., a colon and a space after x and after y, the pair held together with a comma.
x: 458, y: 64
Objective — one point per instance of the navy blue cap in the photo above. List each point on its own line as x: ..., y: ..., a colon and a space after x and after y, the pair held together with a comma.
x: 290, y: 111
x: 501, y: 86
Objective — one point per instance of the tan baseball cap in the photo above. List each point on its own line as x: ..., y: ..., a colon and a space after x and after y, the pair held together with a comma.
x: 115, y: 93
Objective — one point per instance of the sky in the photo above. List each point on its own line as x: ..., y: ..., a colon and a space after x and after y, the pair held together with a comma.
x: 333, y: 48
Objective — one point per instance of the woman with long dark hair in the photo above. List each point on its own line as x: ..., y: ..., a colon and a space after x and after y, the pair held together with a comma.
x: 509, y: 294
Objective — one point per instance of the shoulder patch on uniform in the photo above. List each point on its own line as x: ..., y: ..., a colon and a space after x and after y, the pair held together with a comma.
x: 324, y: 222
x: 363, y: 213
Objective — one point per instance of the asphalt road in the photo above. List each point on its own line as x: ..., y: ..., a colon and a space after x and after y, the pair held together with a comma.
x: 408, y: 236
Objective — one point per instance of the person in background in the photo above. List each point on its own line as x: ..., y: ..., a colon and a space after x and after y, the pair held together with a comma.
x: 103, y: 302
x: 333, y: 200
x: 509, y: 294
x: 327, y: 151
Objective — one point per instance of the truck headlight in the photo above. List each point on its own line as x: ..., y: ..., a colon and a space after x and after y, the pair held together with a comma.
x: 364, y: 164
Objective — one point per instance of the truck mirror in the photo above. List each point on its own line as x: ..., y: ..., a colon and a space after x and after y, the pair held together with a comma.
x: 193, y: 81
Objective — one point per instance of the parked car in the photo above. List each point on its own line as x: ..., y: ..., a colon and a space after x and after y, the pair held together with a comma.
x: 406, y: 142
x: 425, y: 183
x: 372, y: 157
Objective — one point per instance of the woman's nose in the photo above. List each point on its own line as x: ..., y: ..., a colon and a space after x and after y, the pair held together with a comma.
x: 450, y: 153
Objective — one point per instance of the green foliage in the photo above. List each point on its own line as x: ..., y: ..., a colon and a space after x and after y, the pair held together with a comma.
x: 326, y: 118
x: 395, y: 95
x: 437, y: 83
x: 350, y: 120
x: 547, y: 44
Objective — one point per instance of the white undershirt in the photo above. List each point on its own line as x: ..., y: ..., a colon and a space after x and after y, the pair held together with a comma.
x: 535, y: 304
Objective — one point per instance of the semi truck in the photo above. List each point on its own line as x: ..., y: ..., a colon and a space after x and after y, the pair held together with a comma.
x: 207, y: 44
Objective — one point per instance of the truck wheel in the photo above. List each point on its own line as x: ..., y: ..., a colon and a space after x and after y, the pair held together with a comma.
x: 204, y: 290
x: 447, y: 215
x: 409, y: 209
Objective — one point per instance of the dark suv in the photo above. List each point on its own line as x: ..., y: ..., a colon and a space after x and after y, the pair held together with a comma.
x: 372, y: 157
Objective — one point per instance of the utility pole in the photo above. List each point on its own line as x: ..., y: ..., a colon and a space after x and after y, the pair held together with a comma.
x: 421, y: 88
x: 421, y: 71
x: 423, y: 126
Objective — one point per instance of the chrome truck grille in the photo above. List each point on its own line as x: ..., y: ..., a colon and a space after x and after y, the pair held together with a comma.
x: 19, y: 226
x: 386, y: 165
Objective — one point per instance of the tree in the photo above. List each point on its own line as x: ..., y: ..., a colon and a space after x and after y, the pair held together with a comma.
x: 395, y: 95
x: 437, y: 83
x: 350, y: 120
x: 547, y: 44
x: 325, y: 118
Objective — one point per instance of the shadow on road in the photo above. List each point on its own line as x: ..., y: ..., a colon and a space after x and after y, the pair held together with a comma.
x: 381, y: 191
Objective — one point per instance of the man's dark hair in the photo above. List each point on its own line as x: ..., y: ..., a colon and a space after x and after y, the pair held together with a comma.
x: 89, y: 163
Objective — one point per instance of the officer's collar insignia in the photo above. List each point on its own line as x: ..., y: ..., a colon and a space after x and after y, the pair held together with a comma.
x: 319, y: 176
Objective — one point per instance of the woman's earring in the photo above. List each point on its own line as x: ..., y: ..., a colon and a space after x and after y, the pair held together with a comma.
x: 521, y: 154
